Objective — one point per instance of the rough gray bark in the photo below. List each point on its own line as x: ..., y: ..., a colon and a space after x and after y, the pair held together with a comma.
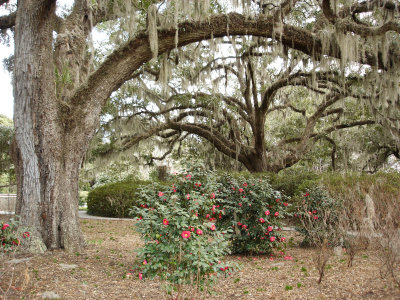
x: 47, y: 167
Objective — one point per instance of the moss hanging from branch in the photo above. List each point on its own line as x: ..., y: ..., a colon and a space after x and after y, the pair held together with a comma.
x: 152, y: 29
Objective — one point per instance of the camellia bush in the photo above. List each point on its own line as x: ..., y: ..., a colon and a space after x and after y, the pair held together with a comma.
x: 253, y: 210
x: 319, y: 217
x: 12, y: 235
x: 183, y: 245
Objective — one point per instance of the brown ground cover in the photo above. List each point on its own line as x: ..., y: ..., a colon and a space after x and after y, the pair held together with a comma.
x: 100, y: 272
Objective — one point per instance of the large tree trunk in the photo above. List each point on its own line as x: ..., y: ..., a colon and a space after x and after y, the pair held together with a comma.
x: 47, y: 172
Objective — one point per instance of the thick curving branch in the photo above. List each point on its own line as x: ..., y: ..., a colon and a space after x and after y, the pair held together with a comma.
x: 7, y: 21
x: 360, y: 29
x: 120, y: 65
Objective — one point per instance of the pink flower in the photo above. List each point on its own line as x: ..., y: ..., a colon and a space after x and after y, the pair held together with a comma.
x: 245, y: 184
x: 261, y: 220
x: 241, y: 190
x: 26, y: 234
x: 283, y: 239
x: 306, y: 195
x: 244, y: 226
x: 207, y: 216
x: 315, y: 217
x: 285, y: 204
x: 185, y: 234
x: 239, y: 224
x: 267, y: 212
x: 140, y: 276
x: 188, y: 196
x: 191, y: 229
x: 174, y: 190
x: 212, y: 196
x: 288, y: 257
x: 199, y: 232
x: 160, y: 194
x: 278, y: 200
x: 212, y: 227
x: 272, y: 238
x: 145, y: 262
x: 240, y: 204
x: 314, y: 211
x: 188, y: 176
x: 276, y: 214
x: 165, y: 222
x: 5, y: 226
x: 269, y: 228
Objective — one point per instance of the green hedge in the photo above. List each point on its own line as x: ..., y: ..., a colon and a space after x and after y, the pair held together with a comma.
x: 114, y: 199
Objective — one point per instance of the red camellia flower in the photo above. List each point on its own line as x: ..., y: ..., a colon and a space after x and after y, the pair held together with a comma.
x: 188, y: 196
x: 212, y: 227
x: 191, y: 229
x: 245, y: 184
x: 160, y: 194
x: 5, y: 226
x: 267, y: 212
x: 26, y: 234
x: 240, y: 204
x: 212, y: 196
x: 306, y: 195
x: 140, y: 276
x: 188, y: 176
x: 241, y: 190
x: 283, y: 239
x: 199, y: 232
x: 278, y: 200
x: 207, y: 216
x: 276, y: 214
x: 185, y: 234
x: 314, y: 211
x: 244, y: 226
x: 272, y: 238
x: 145, y: 262
x: 285, y: 204
x: 269, y: 228
x: 165, y: 221
x: 261, y: 220
x: 315, y: 217
x: 239, y: 224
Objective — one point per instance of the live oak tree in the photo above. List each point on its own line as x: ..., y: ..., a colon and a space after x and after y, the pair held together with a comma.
x: 264, y: 115
x: 59, y: 92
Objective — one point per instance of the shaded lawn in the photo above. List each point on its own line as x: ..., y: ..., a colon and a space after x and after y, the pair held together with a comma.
x: 100, y: 272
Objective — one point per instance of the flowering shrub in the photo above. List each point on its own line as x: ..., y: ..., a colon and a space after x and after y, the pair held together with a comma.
x: 12, y: 235
x: 319, y: 217
x: 253, y: 210
x: 183, y: 245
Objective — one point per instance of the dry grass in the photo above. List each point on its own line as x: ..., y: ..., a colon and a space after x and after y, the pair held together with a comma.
x: 100, y: 273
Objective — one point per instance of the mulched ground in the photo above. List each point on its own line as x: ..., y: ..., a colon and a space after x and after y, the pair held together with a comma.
x: 100, y: 272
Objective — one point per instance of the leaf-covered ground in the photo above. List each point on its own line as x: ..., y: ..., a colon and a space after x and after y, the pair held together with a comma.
x: 100, y: 272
